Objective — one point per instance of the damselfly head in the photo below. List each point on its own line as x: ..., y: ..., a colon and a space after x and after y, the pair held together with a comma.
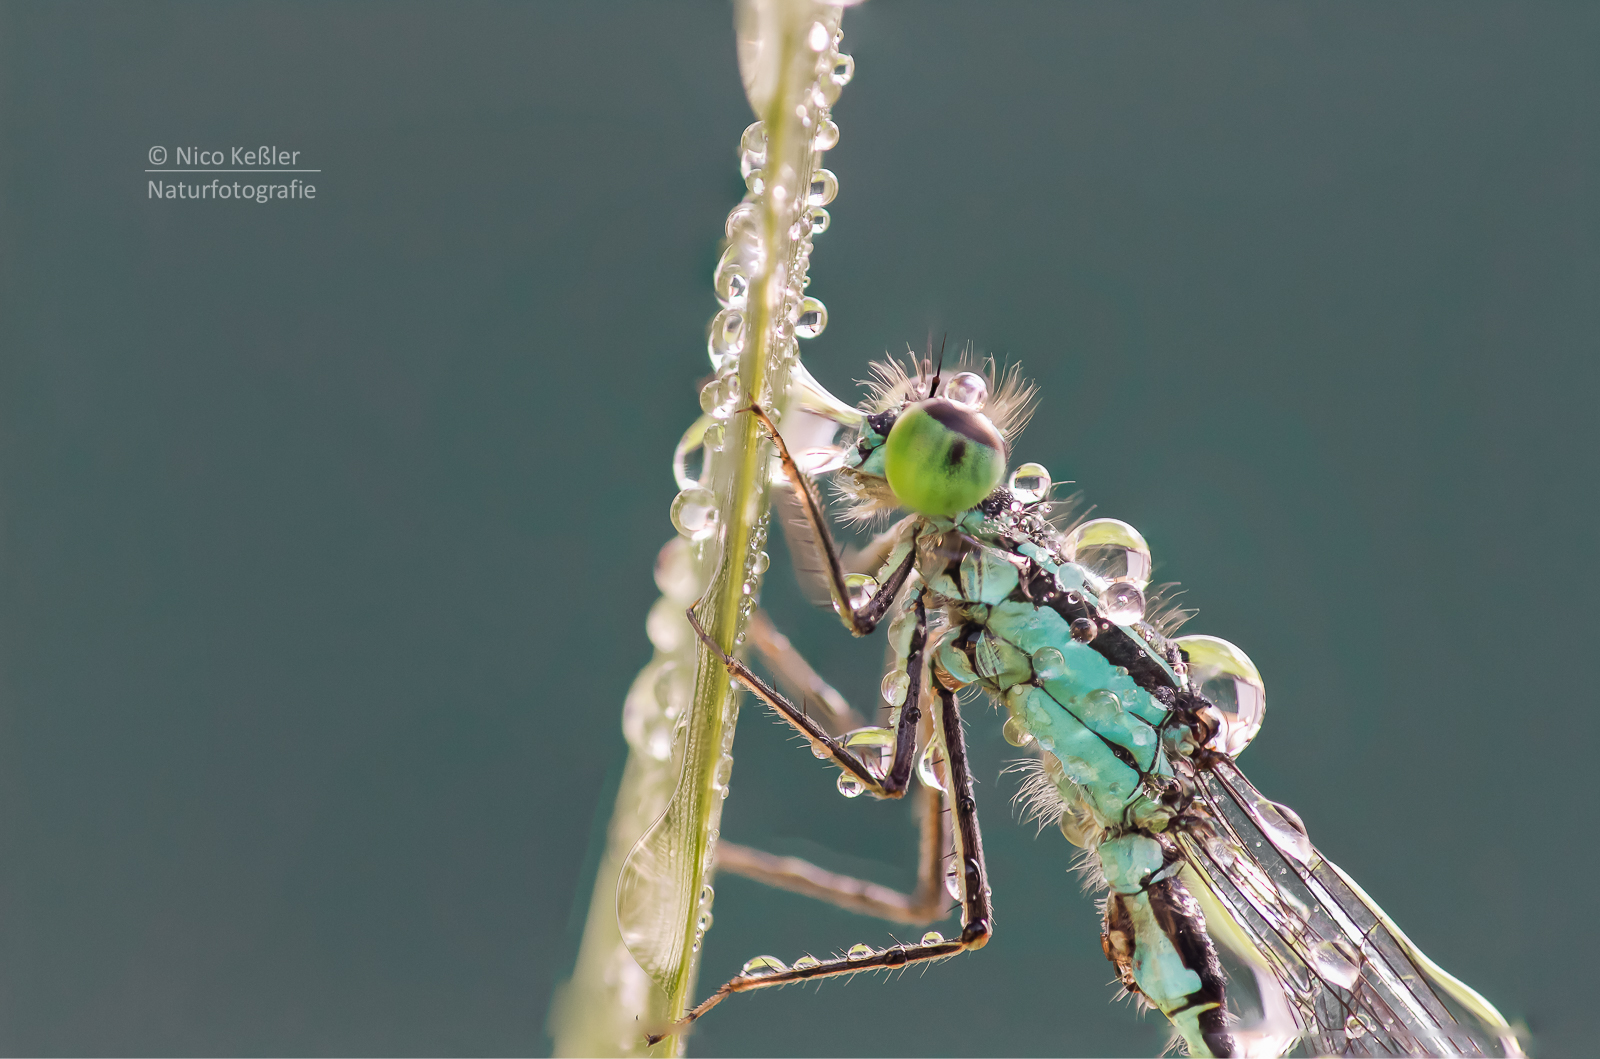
x: 935, y: 441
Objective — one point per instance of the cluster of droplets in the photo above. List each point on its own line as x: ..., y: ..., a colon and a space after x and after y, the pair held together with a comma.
x: 767, y: 966
x: 1117, y: 560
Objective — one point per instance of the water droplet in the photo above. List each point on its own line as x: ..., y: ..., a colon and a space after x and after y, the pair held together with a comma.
x: 1354, y: 1027
x: 806, y: 962
x: 933, y: 937
x: 1083, y: 629
x: 820, y: 752
x: 1225, y: 675
x: 860, y: 951
x: 694, y: 513
x: 820, y: 219
x: 1111, y: 549
x: 824, y: 186
x: 752, y: 149
x: 849, y: 786
x: 1122, y: 603
x: 1074, y: 829
x: 713, y: 438
x: 1334, y: 966
x: 812, y: 319
x: 703, y: 924
x: 827, y: 137
x: 844, y: 68
x: 731, y: 284
x: 759, y: 564
x: 817, y: 38
x: 861, y: 589
x: 930, y: 766
x: 967, y: 388
x: 755, y: 182
x: 761, y: 966
x: 1016, y: 732
x: 894, y: 687
x: 725, y: 339
x: 1030, y: 483
x: 952, y: 883
x: 1048, y: 664
x: 719, y: 398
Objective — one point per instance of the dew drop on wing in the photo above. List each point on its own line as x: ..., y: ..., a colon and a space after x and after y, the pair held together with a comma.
x: 1334, y: 966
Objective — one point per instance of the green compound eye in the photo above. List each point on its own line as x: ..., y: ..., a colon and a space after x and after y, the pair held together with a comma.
x: 942, y: 458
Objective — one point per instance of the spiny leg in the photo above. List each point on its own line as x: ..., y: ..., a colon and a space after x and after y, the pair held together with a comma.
x: 894, y: 783
x: 864, y: 619
x: 977, y: 911
x: 926, y: 904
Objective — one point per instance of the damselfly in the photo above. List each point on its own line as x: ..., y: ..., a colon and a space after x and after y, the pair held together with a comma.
x: 1210, y: 890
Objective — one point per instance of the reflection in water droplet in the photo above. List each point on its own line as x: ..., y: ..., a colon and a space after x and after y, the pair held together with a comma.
x: 1030, y: 483
x: 725, y: 340
x: 817, y: 38
x: 844, y: 68
x: 1225, y: 675
x: 1083, y: 629
x: 861, y: 587
x: 719, y: 398
x: 1049, y: 664
x: 967, y: 388
x: 820, y: 219
x: 1111, y: 549
x: 703, y: 924
x: 731, y: 284
x: 820, y: 752
x: 1354, y: 1027
x: 752, y: 149
x: 930, y: 766
x: 827, y: 137
x: 952, y: 883
x: 824, y: 186
x: 859, y: 951
x: 894, y: 687
x: 759, y: 564
x: 849, y: 786
x: 1334, y: 966
x: 806, y: 962
x: 933, y: 937
x: 761, y: 966
x: 1122, y: 603
x: 1016, y: 732
x: 812, y: 320
x: 694, y: 513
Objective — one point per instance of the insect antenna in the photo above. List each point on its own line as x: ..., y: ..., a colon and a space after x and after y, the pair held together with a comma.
x: 938, y: 365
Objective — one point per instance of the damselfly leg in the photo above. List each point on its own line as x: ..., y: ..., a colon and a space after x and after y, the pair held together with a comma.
x: 976, y: 912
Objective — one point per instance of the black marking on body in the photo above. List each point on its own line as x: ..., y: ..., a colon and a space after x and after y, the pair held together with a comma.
x: 1112, y: 641
x: 956, y: 453
x: 1180, y: 919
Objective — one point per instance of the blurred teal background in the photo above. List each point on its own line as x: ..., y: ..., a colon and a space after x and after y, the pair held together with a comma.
x: 326, y: 527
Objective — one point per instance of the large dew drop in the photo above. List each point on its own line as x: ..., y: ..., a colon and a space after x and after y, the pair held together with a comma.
x: 849, y: 786
x: 694, y: 513
x: 967, y: 388
x: 1112, y: 550
x: 811, y: 321
x: 806, y: 962
x: 731, y: 282
x: 1016, y: 731
x: 933, y: 937
x: 761, y: 966
x: 1335, y: 967
x: 1030, y: 483
x: 861, y: 589
x: 859, y: 951
x: 752, y: 149
x: 725, y: 340
x: 1225, y: 675
x: 824, y: 186
x: 1122, y: 603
